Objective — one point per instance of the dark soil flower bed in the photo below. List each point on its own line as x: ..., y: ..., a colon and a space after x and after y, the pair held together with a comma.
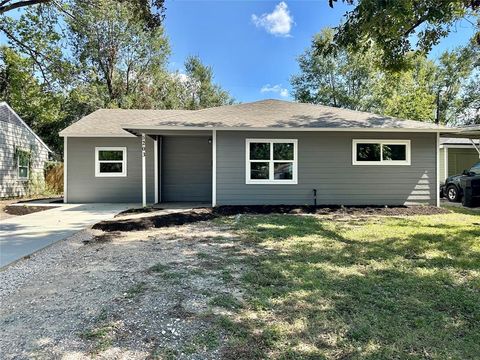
x: 25, y: 210
x: 204, y: 214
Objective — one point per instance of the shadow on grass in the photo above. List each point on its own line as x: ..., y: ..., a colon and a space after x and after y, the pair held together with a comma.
x: 395, y: 288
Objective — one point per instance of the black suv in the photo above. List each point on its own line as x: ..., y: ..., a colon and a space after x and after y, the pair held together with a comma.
x: 452, y: 189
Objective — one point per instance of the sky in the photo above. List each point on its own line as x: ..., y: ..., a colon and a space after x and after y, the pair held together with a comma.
x: 252, y: 46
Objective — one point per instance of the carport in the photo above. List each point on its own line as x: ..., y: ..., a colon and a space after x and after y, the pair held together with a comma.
x: 462, y: 142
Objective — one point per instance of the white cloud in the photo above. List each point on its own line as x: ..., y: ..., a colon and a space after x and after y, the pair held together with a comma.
x: 279, y: 22
x: 278, y: 89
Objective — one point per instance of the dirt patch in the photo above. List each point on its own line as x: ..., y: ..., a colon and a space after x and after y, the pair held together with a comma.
x: 102, y: 238
x: 158, y: 221
x: 25, y: 210
x: 145, y: 210
x: 204, y: 214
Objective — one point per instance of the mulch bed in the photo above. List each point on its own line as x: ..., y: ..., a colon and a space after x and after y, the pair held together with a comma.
x: 25, y: 210
x: 204, y: 214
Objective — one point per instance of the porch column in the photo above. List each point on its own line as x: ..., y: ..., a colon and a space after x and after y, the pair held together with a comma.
x: 144, y: 173
x: 214, y: 167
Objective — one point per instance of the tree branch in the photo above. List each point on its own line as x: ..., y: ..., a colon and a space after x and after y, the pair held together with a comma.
x: 19, y: 4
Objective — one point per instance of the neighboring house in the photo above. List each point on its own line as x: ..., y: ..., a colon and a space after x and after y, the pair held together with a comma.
x: 265, y: 152
x: 22, y: 154
x: 457, y: 155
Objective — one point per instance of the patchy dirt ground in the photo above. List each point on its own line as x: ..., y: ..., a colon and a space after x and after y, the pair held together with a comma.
x: 134, y: 295
x: 138, y: 219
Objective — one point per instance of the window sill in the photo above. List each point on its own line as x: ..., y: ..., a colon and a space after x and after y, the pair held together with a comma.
x: 271, y: 182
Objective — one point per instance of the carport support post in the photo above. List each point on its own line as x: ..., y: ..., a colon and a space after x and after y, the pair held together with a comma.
x: 437, y: 177
x: 144, y: 175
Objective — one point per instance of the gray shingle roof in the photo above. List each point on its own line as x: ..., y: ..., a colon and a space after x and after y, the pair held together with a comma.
x: 108, y: 122
x: 257, y: 115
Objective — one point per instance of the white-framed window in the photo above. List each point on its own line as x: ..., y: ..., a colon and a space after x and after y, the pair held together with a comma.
x: 381, y: 152
x: 110, y: 161
x: 23, y: 164
x: 271, y: 161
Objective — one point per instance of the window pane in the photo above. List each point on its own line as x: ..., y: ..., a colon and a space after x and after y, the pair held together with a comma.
x: 111, y: 167
x: 110, y: 155
x: 23, y: 172
x: 259, y: 151
x: 283, y: 151
x: 283, y: 171
x: 368, y: 152
x: 476, y: 169
x: 23, y: 158
x: 394, y: 152
x: 259, y: 170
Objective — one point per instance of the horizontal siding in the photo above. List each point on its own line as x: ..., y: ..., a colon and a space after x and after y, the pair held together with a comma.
x: 325, y: 164
x: 14, y: 134
x: 84, y: 187
x: 461, y: 159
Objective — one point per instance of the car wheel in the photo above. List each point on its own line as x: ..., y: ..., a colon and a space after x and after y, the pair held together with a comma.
x: 452, y: 193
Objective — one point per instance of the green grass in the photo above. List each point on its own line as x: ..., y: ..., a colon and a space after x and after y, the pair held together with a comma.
x: 136, y: 290
x: 226, y: 301
x: 100, y: 336
x: 375, y: 288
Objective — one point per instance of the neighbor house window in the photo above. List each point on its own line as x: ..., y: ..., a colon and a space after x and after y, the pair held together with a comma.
x: 271, y: 161
x: 23, y: 164
x: 381, y: 152
x: 110, y: 161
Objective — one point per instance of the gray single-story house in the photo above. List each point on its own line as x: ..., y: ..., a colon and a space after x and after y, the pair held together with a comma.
x: 22, y: 154
x: 264, y: 152
x: 456, y: 155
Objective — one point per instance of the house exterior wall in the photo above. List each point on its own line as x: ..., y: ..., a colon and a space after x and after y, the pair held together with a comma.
x: 186, y: 168
x: 84, y: 187
x: 325, y: 164
x: 460, y: 159
x: 14, y: 134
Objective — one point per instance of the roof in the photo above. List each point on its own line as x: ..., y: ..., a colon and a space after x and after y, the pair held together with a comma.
x: 455, y: 141
x: 23, y: 123
x: 108, y: 122
x: 264, y: 114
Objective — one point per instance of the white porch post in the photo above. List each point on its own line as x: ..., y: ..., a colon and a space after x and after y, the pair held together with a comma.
x: 144, y: 173
x: 155, y: 158
x: 65, y: 169
x: 438, y: 170
x: 214, y: 167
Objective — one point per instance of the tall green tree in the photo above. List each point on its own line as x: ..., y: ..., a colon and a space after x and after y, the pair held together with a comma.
x: 115, y: 49
x: 357, y: 80
x: 395, y: 24
x: 201, y: 90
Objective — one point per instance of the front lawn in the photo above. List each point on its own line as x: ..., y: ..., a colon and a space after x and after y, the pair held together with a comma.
x: 368, y: 287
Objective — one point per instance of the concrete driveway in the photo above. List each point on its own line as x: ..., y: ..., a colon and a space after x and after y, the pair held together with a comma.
x: 23, y: 235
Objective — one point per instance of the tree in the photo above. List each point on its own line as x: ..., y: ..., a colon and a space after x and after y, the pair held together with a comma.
x: 392, y: 25
x: 340, y: 79
x: 353, y: 80
x: 115, y: 48
x: 37, y: 34
x: 36, y: 104
x: 199, y: 85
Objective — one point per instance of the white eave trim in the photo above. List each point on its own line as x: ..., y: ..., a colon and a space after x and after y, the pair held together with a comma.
x: 24, y: 124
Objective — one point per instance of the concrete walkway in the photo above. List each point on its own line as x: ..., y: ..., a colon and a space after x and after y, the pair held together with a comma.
x: 23, y: 235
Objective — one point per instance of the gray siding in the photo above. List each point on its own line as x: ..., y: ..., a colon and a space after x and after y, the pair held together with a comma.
x: 186, y: 168
x: 84, y: 187
x: 325, y: 164
x: 14, y: 134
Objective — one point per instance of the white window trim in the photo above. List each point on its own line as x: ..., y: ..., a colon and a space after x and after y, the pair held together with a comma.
x: 97, y: 161
x: 271, y: 179
x: 23, y: 178
x: 382, y: 142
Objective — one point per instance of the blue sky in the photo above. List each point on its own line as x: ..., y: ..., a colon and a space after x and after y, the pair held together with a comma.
x: 249, y: 51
